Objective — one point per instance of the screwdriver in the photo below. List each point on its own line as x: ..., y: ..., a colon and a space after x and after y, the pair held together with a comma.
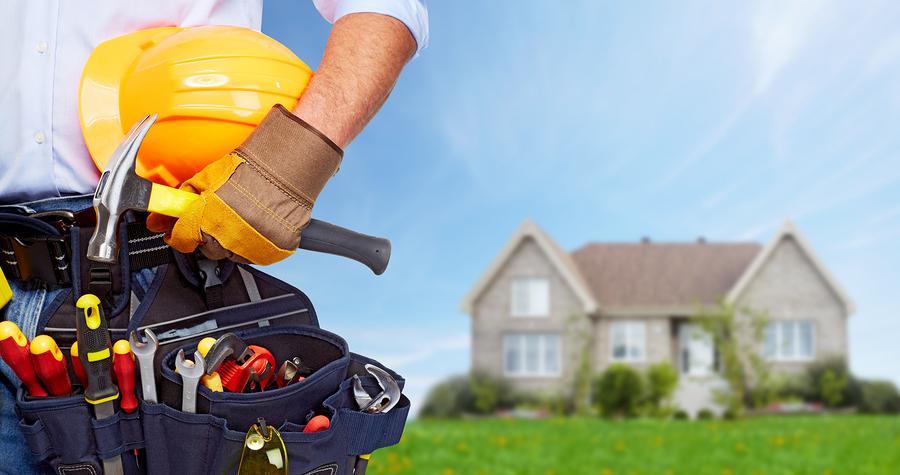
x: 14, y: 350
x: 50, y: 366
x: 77, y: 366
x: 94, y: 352
x: 212, y: 381
x: 123, y: 367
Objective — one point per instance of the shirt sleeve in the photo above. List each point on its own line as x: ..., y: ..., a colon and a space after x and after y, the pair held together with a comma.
x: 412, y: 13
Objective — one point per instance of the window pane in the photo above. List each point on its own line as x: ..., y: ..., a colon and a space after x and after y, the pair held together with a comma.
x: 806, y: 339
x: 636, y: 341
x: 787, y: 339
x: 540, y: 297
x: 769, y: 343
x: 532, y: 353
x: 513, y: 354
x: 619, y: 349
x: 551, y: 354
x: 519, y: 297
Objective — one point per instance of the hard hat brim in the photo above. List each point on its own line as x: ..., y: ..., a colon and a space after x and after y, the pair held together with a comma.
x: 101, y: 81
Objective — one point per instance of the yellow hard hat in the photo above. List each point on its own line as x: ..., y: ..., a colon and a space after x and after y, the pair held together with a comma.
x: 210, y: 85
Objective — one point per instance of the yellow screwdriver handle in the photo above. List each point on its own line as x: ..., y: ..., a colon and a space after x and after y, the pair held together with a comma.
x: 169, y: 201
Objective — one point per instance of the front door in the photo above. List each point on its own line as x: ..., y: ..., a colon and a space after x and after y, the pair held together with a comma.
x: 697, y: 351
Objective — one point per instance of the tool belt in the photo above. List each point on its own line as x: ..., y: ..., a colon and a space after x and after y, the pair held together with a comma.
x: 187, y: 299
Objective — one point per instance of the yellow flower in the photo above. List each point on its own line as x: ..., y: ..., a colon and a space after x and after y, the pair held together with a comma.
x: 620, y: 446
x: 727, y: 471
x: 606, y: 471
x: 740, y: 447
x: 778, y: 441
x: 449, y: 471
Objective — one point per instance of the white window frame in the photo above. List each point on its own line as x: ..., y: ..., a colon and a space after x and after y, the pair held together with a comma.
x: 778, y: 327
x: 632, y: 337
x: 542, y: 370
x: 531, y: 284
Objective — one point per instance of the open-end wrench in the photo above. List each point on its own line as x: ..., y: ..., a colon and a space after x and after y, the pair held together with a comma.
x: 144, y: 352
x: 190, y: 372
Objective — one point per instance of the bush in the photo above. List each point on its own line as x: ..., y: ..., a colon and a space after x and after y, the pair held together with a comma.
x: 828, y: 382
x: 477, y: 393
x: 730, y: 415
x: 447, y: 399
x: 705, y: 415
x: 618, y: 391
x: 681, y: 415
x: 879, y: 397
x: 662, y: 379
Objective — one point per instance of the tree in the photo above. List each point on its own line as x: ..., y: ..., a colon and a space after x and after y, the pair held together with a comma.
x: 737, y: 335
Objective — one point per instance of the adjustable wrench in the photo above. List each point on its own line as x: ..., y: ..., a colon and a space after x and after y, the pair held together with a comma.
x: 383, y: 402
x: 190, y: 377
x: 144, y: 352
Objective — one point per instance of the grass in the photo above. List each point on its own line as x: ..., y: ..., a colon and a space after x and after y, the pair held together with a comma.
x: 822, y: 445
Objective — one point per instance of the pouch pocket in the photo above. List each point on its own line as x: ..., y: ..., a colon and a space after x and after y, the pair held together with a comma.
x: 62, y: 432
x: 324, y: 352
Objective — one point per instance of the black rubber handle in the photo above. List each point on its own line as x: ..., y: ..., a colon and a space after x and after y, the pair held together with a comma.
x: 95, y: 352
x: 374, y: 252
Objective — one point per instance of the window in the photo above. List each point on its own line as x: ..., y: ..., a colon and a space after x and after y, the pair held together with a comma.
x: 530, y: 297
x: 790, y: 340
x: 628, y: 341
x: 531, y: 354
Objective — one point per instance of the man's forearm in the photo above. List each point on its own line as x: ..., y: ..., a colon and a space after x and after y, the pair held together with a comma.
x: 363, y: 58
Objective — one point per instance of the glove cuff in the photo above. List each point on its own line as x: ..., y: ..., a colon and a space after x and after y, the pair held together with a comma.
x: 291, y: 154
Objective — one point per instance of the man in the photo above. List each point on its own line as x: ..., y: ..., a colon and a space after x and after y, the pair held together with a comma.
x: 45, y: 165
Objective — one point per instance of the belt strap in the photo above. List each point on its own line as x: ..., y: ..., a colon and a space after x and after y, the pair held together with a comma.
x: 47, y: 258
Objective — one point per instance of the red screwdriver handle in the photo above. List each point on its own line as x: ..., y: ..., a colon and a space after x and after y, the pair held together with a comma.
x: 14, y: 350
x: 77, y: 367
x: 123, y: 367
x: 50, y: 366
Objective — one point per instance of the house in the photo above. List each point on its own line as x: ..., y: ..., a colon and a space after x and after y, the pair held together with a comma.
x: 538, y: 310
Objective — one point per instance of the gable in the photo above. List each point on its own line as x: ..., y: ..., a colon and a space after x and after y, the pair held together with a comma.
x: 556, y: 257
x: 789, y: 273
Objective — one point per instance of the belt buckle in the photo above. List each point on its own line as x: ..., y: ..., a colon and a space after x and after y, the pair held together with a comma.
x: 62, y: 220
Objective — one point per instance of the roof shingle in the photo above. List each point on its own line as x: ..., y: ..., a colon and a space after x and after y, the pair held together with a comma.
x: 662, y: 274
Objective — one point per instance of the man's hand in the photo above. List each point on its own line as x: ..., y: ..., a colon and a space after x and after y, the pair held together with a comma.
x: 255, y: 201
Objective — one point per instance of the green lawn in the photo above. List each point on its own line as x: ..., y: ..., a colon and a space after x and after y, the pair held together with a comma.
x: 772, y: 445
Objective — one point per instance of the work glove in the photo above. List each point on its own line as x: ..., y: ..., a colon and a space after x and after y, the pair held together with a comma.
x: 255, y: 201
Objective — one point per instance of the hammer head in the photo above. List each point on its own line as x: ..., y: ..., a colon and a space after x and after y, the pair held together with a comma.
x: 120, y: 189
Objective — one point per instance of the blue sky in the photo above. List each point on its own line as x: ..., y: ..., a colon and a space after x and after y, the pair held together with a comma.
x: 613, y: 121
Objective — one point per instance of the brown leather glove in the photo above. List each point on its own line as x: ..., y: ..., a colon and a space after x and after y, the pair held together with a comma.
x: 255, y: 201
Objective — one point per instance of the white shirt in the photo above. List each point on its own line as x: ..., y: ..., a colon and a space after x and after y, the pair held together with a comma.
x: 44, y: 45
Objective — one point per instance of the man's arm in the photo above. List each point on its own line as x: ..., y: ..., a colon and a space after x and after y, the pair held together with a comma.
x: 363, y: 58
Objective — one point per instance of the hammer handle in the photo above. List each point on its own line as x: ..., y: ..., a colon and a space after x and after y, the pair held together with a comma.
x: 319, y: 236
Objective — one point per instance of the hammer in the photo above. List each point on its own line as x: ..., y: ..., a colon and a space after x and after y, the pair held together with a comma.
x: 121, y: 189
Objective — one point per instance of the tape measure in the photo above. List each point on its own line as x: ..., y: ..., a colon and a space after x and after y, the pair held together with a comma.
x: 5, y: 291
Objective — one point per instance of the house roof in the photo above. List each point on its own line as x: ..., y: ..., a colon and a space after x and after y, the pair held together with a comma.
x: 789, y: 231
x: 648, y: 277
x: 558, y: 258
x: 662, y: 275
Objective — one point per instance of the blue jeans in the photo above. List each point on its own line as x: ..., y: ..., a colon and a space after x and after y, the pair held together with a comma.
x: 29, y: 300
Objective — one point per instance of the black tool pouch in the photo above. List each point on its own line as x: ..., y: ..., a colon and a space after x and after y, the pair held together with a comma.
x: 184, y: 301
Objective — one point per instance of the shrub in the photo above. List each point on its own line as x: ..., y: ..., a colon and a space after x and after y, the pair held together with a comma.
x: 447, y: 399
x: 477, y: 393
x: 831, y: 387
x: 618, y: 391
x: 705, y: 415
x: 681, y: 415
x: 662, y: 379
x: 879, y: 397
x: 828, y: 381
x: 729, y: 415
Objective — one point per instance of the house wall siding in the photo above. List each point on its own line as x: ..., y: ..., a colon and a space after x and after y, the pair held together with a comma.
x: 492, y: 320
x: 788, y: 287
